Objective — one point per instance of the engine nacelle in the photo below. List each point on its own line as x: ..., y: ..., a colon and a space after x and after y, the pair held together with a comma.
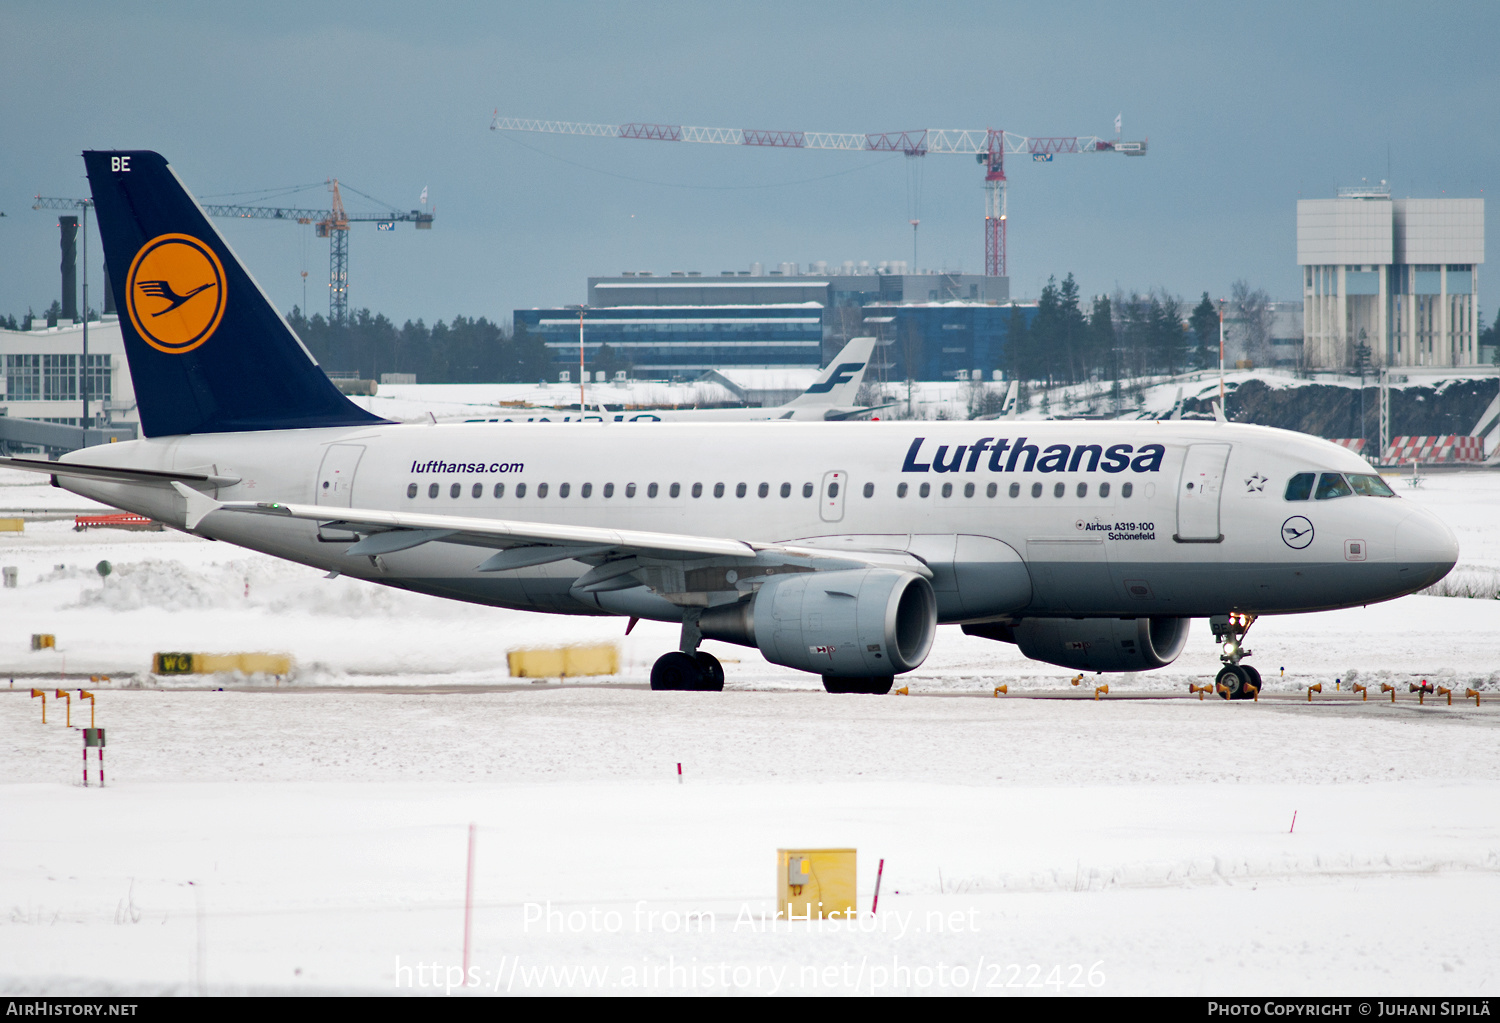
x: 1094, y: 644
x: 852, y: 623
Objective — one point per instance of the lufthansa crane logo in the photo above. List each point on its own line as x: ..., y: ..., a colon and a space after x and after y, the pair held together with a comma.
x: 1297, y: 532
x: 175, y: 293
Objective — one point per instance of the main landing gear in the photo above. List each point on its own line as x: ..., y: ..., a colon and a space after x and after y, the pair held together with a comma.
x: 688, y: 669
x: 1235, y: 681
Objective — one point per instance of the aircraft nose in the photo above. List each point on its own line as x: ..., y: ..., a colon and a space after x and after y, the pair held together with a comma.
x: 1425, y: 541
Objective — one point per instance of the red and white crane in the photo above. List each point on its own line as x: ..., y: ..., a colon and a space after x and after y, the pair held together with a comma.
x: 989, y: 147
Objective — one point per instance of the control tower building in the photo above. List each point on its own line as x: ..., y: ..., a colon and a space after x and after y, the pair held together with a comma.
x: 1396, y: 274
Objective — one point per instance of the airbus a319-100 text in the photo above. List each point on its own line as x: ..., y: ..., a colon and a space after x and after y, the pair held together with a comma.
x: 833, y: 548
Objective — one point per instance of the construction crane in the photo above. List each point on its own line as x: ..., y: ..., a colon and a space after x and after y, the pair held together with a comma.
x: 332, y: 224
x: 989, y: 147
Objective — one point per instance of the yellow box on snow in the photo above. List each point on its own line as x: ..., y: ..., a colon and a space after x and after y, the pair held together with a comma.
x: 812, y: 884
x: 564, y: 661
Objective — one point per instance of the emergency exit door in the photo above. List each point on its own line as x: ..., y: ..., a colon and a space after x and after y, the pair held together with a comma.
x: 1198, y: 493
x: 831, y: 497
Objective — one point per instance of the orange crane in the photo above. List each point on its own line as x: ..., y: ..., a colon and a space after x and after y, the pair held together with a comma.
x: 989, y: 147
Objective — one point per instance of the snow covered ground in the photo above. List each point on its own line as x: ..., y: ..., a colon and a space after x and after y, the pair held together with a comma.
x: 313, y: 838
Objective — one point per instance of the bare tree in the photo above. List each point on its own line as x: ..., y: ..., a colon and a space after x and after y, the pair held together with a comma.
x: 1251, y: 311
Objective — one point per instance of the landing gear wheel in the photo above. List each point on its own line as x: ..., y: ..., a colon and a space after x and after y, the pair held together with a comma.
x: 872, y: 685
x: 1254, y: 680
x: 712, y: 672
x: 676, y: 671
x: 1234, y: 678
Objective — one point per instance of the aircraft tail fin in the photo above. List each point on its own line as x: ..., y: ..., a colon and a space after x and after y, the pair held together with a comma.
x: 1012, y: 396
x: 208, y: 352
x: 839, y: 384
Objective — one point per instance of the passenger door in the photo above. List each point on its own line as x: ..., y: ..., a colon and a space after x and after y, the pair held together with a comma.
x: 336, y: 477
x: 335, y: 486
x: 1198, y: 492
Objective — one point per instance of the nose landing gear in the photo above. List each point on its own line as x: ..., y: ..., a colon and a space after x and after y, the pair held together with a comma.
x: 1235, y: 681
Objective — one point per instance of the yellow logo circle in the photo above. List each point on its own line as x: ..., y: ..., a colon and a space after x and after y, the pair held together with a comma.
x: 175, y: 293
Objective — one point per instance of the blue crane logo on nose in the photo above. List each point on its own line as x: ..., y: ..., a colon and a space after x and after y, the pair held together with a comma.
x: 1297, y: 532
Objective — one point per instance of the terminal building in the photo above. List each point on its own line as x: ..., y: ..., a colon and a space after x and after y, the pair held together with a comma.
x: 1399, y: 275
x: 680, y: 325
x: 45, y: 370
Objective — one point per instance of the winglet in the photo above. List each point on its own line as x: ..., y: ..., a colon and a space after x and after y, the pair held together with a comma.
x: 1219, y: 413
x: 199, y: 505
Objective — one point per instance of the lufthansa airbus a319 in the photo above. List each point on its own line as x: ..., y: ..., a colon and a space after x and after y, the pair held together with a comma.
x: 833, y: 548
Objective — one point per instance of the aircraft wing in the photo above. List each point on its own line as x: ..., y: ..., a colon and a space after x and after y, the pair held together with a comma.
x: 839, y: 414
x: 524, y: 544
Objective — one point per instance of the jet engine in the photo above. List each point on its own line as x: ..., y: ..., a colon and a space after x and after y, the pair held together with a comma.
x: 1094, y: 644
x: 852, y: 623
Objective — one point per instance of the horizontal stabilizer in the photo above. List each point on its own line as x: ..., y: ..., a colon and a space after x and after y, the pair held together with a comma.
x: 116, y: 474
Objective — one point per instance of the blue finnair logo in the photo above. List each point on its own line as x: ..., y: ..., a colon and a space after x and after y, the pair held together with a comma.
x: 842, y: 375
x: 1022, y: 457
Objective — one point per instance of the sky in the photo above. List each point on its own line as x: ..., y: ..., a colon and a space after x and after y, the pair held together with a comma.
x: 1247, y: 108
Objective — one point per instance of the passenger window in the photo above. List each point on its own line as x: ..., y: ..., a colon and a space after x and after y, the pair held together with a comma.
x: 609, y: 490
x: 900, y: 489
x: 1299, y: 487
x: 739, y: 490
x: 411, y: 490
x: 1059, y: 489
x: 455, y: 490
x: 1083, y: 490
x: 833, y: 490
x: 947, y: 489
x: 924, y: 490
x: 869, y: 490
x: 1366, y: 485
x: 1015, y: 490
x: 499, y: 489
x: 674, y: 490
x: 1126, y: 489
x: 630, y: 490
x: 807, y: 489
x: 652, y: 489
x: 764, y: 490
x: 1104, y: 490
x: 697, y: 489
x: 587, y: 490
x: 1331, y: 485
x: 541, y: 490
x: 432, y: 490
x: 478, y: 490
x: 786, y: 490
x: 991, y: 490
x: 1036, y: 490
x: 520, y: 490
x: 563, y: 489
x: 718, y: 490
x: 968, y: 490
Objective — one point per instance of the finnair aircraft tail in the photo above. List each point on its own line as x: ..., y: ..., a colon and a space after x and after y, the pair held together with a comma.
x: 833, y: 548
x: 833, y: 396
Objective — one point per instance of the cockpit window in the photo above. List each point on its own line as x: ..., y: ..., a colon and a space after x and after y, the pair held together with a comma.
x: 1299, y: 487
x: 1331, y: 485
x: 1370, y: 485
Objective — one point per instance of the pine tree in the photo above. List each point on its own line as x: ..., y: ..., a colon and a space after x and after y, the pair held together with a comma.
x: 1205, y: 325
